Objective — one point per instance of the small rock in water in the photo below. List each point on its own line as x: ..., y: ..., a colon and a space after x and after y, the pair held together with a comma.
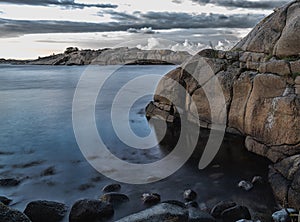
x: 189, y: 195
x: 46, y: 211
x: 246, y: 185
x: 112, y: 188
x: 193, y: 204
x: 151, y: 198
x: 85, y: 186
x: 283, y: 215
x: 48, y: 172
x: 10, y: 215
x: 90, y: 210
x: 220, y: 207
x: 5, y: 200
x: 114, y: 198
x: 257, y: 179
x: 236, y: 213
x: 9, y: 182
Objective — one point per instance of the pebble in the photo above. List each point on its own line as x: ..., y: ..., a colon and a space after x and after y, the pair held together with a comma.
x: 189, y: 195
x: 246, y: 185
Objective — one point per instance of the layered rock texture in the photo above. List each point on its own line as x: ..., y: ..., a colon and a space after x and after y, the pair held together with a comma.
x: 260, y: 81
x: 116, y: 56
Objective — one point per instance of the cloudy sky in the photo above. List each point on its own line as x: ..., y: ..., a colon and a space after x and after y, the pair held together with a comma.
x: 29, y: 28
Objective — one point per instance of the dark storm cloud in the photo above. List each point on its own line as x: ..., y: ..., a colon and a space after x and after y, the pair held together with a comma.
x: 62, y: 3
x: 154, y: 20
x: 264, y: 4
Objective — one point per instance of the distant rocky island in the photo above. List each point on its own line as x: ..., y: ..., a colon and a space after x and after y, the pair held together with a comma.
x: 107, y: 56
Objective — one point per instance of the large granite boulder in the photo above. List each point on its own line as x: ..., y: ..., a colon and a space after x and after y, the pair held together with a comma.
x: 260, y: 82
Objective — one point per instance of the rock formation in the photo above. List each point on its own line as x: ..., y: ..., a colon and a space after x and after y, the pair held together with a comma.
x: 260, y: 80
x: 117, y: 56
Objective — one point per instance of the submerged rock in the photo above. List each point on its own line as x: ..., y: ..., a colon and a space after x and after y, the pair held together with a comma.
x: 5, y: 200
x: 10, y: 215
x: 9, y: 182
x: 90, y: 210
x: 150, y: 198
x: 114, y: 198
x: 112, y: 188
x: 220, y: 207
x: 46, y: 211
x: 236, y: 213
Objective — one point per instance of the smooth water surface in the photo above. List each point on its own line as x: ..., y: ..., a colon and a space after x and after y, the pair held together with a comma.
x: 36, y: 133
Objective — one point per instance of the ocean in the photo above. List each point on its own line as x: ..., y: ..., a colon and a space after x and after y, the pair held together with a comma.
x: 36, y: 134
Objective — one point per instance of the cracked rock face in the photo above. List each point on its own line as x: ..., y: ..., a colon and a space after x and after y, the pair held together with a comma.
x: 260, y: 81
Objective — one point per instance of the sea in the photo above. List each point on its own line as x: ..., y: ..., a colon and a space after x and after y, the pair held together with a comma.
x: 39, y: 146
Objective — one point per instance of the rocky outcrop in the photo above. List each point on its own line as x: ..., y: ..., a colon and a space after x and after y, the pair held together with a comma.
x: 260, y: 82
x: 117, y: 56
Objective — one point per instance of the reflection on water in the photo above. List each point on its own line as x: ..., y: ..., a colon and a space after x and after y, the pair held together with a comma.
x: 36, y: 133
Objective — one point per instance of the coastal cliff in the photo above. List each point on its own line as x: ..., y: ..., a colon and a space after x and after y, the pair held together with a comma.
x: 116, y: 56
x: 260, y: 80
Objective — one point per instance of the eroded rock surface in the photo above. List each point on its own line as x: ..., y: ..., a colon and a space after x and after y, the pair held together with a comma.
x: 260, y: 82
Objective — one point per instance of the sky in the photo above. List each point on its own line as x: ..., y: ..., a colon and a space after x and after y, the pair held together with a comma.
x: 32, y: 28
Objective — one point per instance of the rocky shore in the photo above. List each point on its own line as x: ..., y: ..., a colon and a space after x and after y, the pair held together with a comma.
x: 116, y: 56
x: 102, y: 209
x: 260, y: 80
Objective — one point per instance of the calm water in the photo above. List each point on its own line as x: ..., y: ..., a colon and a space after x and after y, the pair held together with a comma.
x: 36, y: 133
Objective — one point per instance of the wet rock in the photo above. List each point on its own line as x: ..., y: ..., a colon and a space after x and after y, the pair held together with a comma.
x: 10, y: 215
x: 114, y: 198
x: 236, y: 213
x: 246, y: 185
x: 175, y: 202
x: 158, y: 213
x: 90, y: 211
x: 283, y: 215
x: 85, y: 186
x: 9, y: 182
x: 112, y: 188
x: 5, y: 200
x: 220, y: 207
x: 189, y: 195
x: 197, y: 215
x: 48, y: 172
x: 46, y: 211
x: 257, y: 180
x: 193, y: 204
x: 151, y: 198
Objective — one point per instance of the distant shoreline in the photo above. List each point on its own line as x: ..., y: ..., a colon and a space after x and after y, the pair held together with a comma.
x: 118, y: 56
